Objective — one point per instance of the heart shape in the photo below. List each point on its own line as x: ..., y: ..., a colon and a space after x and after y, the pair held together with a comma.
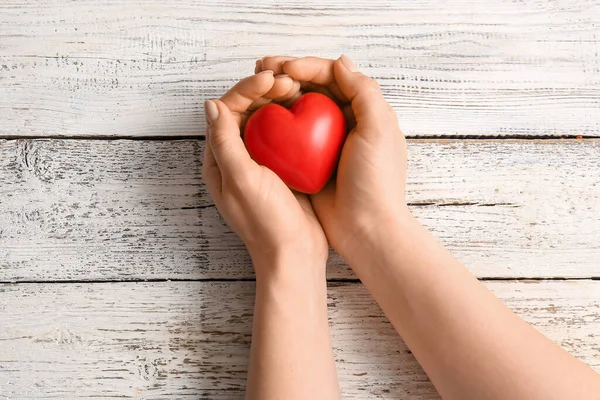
x: 301, y: 145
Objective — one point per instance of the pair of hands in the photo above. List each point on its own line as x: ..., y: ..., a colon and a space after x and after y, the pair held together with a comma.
x: 352, y: 211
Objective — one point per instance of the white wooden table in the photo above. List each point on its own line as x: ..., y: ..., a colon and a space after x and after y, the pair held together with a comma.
x: 119, y: 279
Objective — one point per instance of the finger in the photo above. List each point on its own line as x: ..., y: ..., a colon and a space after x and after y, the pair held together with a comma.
x: 323, y: 202
x: 255, y: 106
x: 304, y: 202
x: 258, y: 66
x: 324, y: 90
x: 311, y: 87
x: 284, y: 89
x: 292, y: 99
x: 225, y: 141
x: 209, y: 158
x: 310, y: 69
x: 281, y: 92
x: 211, y: 175
x: 283, y: 84
x: 368, y: 104
x: 295, y: 91
x: 337, y: 94
x: 274, y: 64
x: 349, y: 115
x: 317, y: 71
x: 247, y: 91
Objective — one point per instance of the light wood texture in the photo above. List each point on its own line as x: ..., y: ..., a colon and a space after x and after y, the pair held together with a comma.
x: 143, y: 67
x: 114, y: 210
x: 191, y: 339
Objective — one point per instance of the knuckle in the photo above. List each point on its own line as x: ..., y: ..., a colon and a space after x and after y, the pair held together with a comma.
x: 219, y: 139
x: 269, y: 62
x: 370, y: 84
x: 281, y: 87
x: 379, y: 131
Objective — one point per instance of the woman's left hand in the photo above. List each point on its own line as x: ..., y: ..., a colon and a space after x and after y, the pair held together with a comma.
x: 274, y: 222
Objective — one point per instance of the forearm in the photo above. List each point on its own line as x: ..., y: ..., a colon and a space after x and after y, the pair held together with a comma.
x: 468, y: 342
x: 291, y: 355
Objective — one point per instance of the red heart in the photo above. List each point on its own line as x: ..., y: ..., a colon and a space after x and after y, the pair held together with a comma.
x: 301, y: 145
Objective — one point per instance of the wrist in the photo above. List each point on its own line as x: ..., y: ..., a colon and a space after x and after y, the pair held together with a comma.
x: 289, y: 267
x: 384, y: 236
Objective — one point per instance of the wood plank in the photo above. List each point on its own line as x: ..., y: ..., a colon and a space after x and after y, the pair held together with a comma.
x: 115, y: 210
x: 143, y: 67
x: 191, y: 339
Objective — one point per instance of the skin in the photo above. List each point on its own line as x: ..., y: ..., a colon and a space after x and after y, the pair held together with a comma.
x: 470, y: 345
x: 291, y: 355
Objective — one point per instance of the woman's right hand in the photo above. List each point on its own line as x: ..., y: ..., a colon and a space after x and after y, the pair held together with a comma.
x: 367, y: 197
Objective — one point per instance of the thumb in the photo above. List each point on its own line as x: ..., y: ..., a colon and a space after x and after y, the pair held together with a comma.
x: 323, y: 204
x: 224, y: 139
x: 368, y: 104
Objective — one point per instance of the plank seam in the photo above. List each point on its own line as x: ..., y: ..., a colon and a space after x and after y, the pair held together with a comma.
x: 201, y: 138
x: 225, y: 280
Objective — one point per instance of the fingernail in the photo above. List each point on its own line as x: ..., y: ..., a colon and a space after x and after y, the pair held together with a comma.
x: 348, y: 63
x: 211, y: 111
x: 266, y: 71
x: 282, y: 76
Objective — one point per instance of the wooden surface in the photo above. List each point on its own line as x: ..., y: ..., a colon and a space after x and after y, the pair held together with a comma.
x: 191, y: 339
x: 142, y: 68
x: 112, y: 210
x: 106, y: 202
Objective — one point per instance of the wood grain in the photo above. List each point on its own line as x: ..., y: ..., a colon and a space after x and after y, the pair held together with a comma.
x: 125, y: 210
x: 142, y: 68
x: 191, y: 339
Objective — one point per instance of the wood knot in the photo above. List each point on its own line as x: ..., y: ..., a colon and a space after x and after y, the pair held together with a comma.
x: 61, y: 337
x: 147, y: 370
x: 31, y: 160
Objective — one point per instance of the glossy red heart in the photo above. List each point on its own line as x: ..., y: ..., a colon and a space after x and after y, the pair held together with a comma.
x: 301, y: 145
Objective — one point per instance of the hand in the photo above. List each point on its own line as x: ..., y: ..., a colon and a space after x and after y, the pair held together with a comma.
x: 369, y: 191
x: 272, y: 221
